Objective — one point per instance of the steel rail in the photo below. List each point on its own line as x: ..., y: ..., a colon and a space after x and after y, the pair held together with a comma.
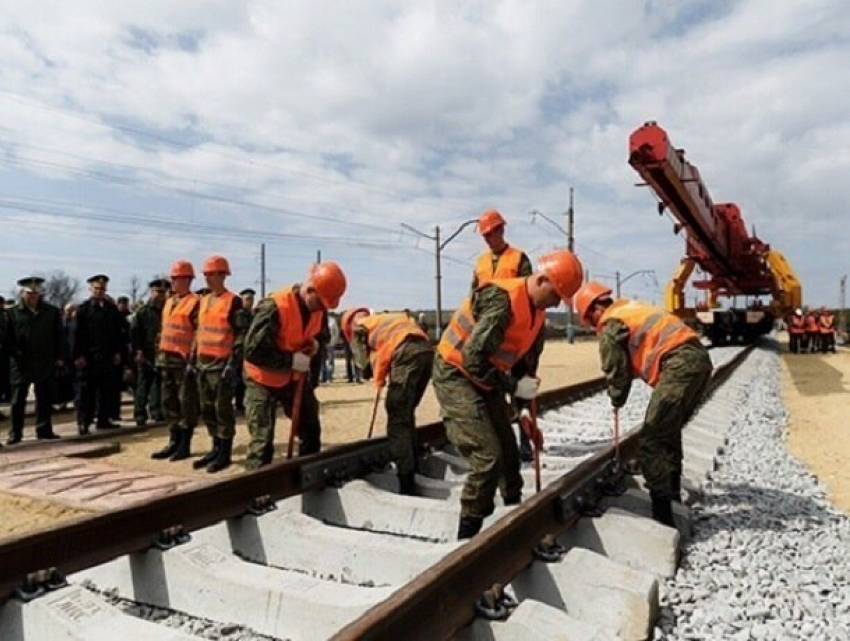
x: 440, y: 601
x: 87, y: 541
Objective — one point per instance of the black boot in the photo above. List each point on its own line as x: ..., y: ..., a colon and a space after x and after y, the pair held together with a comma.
x: 222, y: 458
x: 46, y: 435
x: 677, y: 487
x: 468, y: 527
x: 407, y: 484
x: 184, y: 446
x: 662, y: 510
x: 170, y: 447
x: 209, y: 457
x: 526, y: 454
x: 82, y: 428
x: 14, y: 438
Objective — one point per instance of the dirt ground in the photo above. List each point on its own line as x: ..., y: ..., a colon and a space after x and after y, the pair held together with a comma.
x: 22, y: 514
x: 817, y: 395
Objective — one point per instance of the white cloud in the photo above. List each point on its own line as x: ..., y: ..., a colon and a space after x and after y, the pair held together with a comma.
x: 426, y: 113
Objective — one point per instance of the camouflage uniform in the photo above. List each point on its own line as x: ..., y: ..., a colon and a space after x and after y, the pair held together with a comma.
x: 147, y: 325
x: 216, y: 390
x: 525, y: 366
x: 685, y: 373
x: 180, y: 401
x: 478, y: 422
x: 410, y: 371
x: 261, y: 402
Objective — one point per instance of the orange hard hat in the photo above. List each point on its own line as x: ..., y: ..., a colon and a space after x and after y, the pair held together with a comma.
x: 564, y: 270
x: 489, y: 220
x: 182, y: 268
x: 346, y: 322
x: 329, y: 282
x: 215, y: 264
x: 587, y: 295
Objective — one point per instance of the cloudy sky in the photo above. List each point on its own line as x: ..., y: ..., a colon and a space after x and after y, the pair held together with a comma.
x: 135, y: 133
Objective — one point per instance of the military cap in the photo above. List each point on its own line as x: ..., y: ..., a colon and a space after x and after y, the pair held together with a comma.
x: 100, y: 279
x: 203, y: 291
x: 159, y: 283
x: 248, y: 292
x: 122, y: 299
x: 31, y: 283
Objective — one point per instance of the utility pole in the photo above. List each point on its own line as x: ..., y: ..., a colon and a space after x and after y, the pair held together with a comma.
x: 620, y: 281
x: 318, y: 256
x: 842, y: 319
x: 439, y: 246
x: 571, y: 331
x: 262, y: 270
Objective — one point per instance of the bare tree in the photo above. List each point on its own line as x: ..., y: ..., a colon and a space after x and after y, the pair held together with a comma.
x: 135, y: 288
x: 60, y: 288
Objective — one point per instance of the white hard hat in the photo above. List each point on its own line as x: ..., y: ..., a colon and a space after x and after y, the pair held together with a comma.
x: 799, y: 312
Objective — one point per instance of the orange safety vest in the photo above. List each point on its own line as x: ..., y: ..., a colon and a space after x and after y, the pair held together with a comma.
x: 385, y: 332
x: 811, y: 324
x: 507, y: 266
x: 652, y: 334
x: 796, y: 325
x: 526, y: 323
x: 215, y: 335
x: 177, y: 329
x: 291, y: 337
x: 827, y: 324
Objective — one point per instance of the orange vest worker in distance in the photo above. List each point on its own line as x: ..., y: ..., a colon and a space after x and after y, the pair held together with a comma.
x: 501, y: 261
x: 278, y: 349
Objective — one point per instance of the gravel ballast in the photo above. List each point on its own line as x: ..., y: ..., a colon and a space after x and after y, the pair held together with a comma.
x: 769, y: 557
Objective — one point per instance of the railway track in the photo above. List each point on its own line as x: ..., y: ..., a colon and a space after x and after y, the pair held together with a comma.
x: 323, y: 547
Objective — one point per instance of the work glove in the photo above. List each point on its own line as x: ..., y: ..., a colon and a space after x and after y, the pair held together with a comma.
x: 300, y: 362
x: 526, y: 388
x: 531, y: 430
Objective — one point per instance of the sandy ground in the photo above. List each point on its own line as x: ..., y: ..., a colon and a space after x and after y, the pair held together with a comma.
x: 817, y: 394
x: 21, y: 514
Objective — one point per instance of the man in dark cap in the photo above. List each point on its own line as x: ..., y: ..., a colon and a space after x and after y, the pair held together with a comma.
x: 248, y: 296
x: 147, y: 325
x: 5, y: 389
x: 98, y: 345
x: 35, y: 340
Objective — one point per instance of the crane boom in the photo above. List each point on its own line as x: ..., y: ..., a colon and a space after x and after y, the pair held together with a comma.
x: 733, y: 261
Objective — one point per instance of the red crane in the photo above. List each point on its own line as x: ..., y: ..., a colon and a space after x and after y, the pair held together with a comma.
x: 733, y: 261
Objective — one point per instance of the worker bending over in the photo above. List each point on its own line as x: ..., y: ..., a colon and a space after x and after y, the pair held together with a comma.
x: 638, y: 340
x: 278, y: 348
x: 491, y: 331
x: 392, y: 347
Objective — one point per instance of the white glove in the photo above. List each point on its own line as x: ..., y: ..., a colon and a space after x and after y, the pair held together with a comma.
x: 527, y: 387
x: 300, y: 362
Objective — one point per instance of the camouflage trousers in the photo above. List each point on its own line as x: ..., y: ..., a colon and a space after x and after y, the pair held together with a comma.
x: 685, y: 373
x: 180, y: 403
x: 478, y: 424
x: 216, y: 393
x: 147, y: 394
x: 260, y: 408
x: 410, y: 371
